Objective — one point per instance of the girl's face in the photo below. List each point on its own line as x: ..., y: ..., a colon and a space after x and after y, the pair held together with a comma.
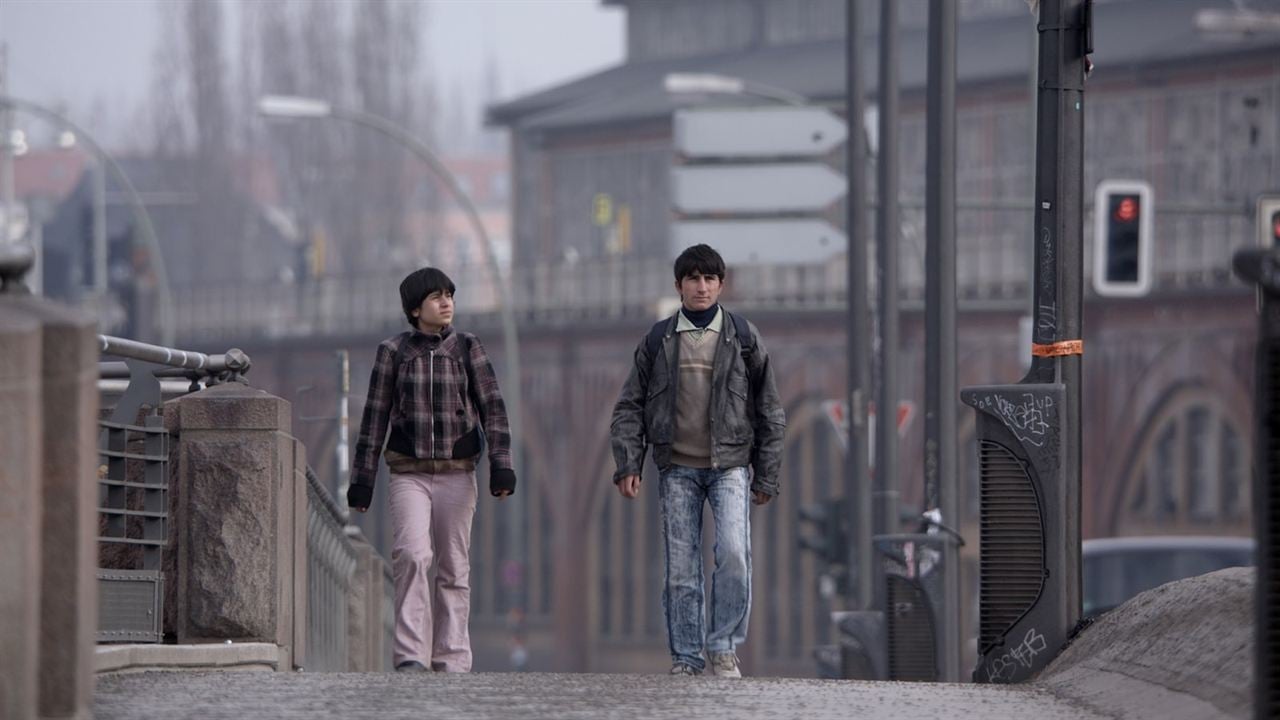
x: 435, y: 312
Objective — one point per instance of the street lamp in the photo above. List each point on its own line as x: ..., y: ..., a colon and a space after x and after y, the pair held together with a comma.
x: 305, y: 108
x: 712, y: 84
x: 1238, y: 21
x: 164, y: 299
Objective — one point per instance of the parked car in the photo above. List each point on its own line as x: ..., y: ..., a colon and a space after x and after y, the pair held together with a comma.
x: 1116, y: 569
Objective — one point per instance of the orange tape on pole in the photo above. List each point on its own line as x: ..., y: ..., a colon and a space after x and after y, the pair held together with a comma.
x: 1058, y: 349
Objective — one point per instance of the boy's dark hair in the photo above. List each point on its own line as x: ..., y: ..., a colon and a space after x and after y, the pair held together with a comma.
x: 418, y: 285
x: 702, y: 259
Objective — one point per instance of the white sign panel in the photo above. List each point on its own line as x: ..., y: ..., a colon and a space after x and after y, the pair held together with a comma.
x: 764, y: 188
x: 757, y: 132
x: 750, y: 242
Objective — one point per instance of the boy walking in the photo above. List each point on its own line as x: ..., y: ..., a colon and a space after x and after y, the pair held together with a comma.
x: 702, y: 393
x: 435, y: 389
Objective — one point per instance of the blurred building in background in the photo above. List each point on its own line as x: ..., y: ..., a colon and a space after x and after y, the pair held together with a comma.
x: 566, y: 575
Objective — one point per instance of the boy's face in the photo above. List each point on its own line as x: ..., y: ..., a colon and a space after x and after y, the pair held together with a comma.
x: 698, y: 291
x: 436, y: 310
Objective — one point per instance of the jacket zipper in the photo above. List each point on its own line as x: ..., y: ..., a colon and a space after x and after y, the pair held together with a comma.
x: 431, y: 404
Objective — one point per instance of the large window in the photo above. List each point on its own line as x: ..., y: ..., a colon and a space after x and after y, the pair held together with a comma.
x: 1191, y: 472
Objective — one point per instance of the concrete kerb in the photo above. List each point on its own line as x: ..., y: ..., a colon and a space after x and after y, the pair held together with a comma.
x: 1181, y: 650
x: 118, y: 659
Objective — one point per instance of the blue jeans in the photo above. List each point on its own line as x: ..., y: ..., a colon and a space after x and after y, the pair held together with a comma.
x: 683, y: 492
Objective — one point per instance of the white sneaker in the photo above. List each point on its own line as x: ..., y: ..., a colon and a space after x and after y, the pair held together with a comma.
x: 725, y: 665
x: 682, y: 669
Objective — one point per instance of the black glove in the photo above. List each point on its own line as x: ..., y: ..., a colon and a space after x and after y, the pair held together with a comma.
x: 501, y: 479
x: 359, y: 496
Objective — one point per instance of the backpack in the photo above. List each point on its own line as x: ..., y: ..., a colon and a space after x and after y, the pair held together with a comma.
x: 653, y: 340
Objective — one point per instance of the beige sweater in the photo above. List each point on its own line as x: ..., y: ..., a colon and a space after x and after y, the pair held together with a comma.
x: 691, y: 445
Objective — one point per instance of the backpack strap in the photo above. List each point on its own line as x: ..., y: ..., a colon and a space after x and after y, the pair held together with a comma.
x: 746, y: 338
x: 653, y: 341
x: 399, y: 357
x: 743, y: 328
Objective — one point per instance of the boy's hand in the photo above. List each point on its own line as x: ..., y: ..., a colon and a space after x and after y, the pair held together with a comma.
x: 760, y: 498
x: 360, y: 509
x: 502, y: 494
x: 629, y: 486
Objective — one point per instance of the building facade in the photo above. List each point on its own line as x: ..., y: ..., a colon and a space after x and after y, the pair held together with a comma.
x: 567, y: 576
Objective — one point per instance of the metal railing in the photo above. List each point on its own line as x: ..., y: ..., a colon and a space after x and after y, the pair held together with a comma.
x: 388, y: 614
x: 331, y: 564
x: 133, y: 477
x: 1194, y: 246
x: 133, y: 485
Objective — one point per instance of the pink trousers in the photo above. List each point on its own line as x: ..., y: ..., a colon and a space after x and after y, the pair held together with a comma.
x: 431, y: 521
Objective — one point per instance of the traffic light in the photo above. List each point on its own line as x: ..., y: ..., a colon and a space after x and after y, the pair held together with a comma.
x: 1122, y: 214
x: 830, y: 543
x: 1269, y: 221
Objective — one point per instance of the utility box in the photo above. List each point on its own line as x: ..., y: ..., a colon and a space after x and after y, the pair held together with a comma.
x: 1029, y: 565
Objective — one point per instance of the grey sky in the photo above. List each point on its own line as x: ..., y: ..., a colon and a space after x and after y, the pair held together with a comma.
x: 93, y: 57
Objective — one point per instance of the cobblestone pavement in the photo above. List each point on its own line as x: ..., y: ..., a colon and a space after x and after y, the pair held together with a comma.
x: 244, y: 695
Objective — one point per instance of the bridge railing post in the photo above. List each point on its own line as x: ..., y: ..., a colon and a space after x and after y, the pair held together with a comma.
x: 241, y: 519
x: 21, y: 446
x: 48, y: 406
x: 69, y: 543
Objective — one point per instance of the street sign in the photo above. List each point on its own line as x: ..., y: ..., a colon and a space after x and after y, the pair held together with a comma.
x: 747, y: 242
x: 837, y: 411
x: 758, y: 189
x: 757, y: 132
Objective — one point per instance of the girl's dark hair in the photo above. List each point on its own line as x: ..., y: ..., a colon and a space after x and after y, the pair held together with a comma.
x: 418, y: 285
x: 702, y: 259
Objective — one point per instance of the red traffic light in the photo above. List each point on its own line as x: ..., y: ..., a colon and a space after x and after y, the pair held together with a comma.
x: 1275, y: 228
x: 1127, y: 209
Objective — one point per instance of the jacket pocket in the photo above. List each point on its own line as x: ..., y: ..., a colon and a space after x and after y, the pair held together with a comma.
x: 470, y: 445
x: 737, y: 410
x: 657, y: 415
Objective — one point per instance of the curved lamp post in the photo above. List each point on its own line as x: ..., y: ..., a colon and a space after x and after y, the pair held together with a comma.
x: 303, y: 108
x: 712, y: 84
x: 164, y: 301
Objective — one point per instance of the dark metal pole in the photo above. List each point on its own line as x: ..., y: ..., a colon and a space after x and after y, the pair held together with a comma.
x: 857, y: 488
x: 887, y: 233
x: 1057, y: 298
x: 940, y: 312
x: 1262, y: 266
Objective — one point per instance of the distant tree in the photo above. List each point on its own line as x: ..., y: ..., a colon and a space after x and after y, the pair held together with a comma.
x: 170, y: 128
x: 360, y: 189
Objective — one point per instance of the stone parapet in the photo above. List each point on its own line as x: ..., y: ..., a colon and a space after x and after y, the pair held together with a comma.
x: 240, y: 515
x: 21, y: 447
x: 69, y: 548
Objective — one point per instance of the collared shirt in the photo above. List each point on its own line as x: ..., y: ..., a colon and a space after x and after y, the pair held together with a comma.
x: 683, y: 324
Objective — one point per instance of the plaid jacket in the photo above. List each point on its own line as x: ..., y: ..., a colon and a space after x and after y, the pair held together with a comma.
x: 429, y: 403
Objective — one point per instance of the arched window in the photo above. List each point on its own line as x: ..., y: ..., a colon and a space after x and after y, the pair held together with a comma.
x: 1191, y: 472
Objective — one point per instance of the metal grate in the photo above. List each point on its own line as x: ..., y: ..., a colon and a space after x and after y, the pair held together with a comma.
x: 133, y: 484
x: 912, y: 643
x: 1011, y: 565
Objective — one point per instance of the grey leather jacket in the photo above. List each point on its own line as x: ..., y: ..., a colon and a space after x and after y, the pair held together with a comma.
x: 747, y: 421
